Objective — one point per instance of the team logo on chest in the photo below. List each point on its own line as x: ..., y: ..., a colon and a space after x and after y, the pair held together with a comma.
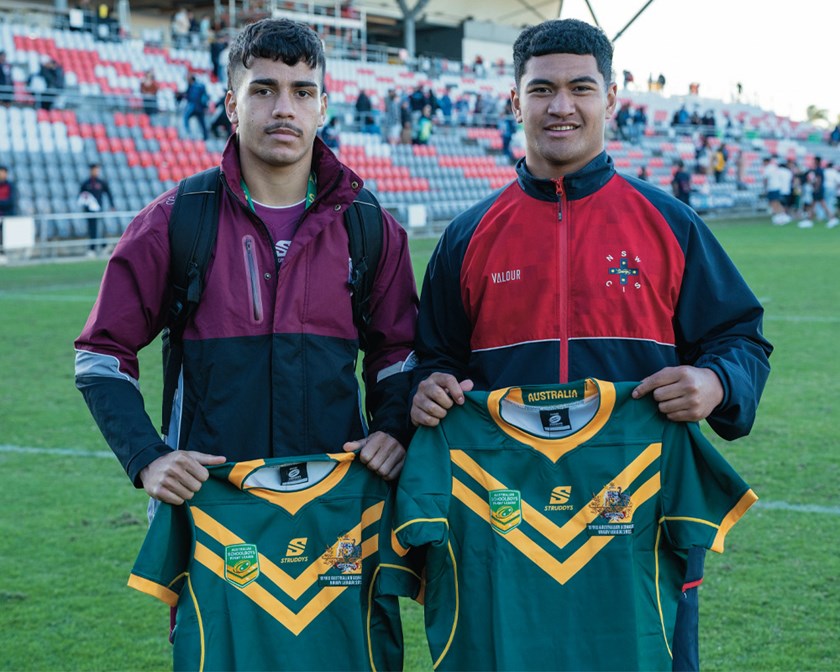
x: 624, y: 271
x: 505, y: 510
x: 242, y: 564
x: 343, y: 563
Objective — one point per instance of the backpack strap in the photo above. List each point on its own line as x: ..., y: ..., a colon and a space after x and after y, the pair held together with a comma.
x: 364, y: 230
x: 193, y: 226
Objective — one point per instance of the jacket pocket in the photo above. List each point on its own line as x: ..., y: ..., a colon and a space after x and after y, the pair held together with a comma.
x: 252, y: 274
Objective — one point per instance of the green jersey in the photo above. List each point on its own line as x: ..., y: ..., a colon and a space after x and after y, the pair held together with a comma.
x: 565, y: 527
x: 280, y: 564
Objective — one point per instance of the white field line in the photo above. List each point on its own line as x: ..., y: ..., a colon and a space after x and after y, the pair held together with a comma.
x: 75, y: 452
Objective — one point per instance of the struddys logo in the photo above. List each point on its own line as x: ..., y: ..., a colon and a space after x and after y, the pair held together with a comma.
x: 242, y: 564
x: 343, y: 563
x: 624, y: 271
x: 615, y: 506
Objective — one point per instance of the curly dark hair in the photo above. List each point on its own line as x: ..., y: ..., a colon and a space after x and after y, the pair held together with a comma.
x: 277, y: 39
x: 563, y: 36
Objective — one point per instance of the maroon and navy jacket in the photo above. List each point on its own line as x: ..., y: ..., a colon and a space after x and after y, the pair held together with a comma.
x: 590, y: 275
x: 270, y: 353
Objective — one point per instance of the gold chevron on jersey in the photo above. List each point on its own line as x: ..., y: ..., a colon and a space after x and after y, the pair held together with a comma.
x: 260, y: 589
x: 559, y: 535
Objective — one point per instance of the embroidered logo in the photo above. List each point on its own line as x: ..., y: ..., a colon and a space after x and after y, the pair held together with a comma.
x: 626, y: 273
x: 505, y: 510
x: 295, y: 551
x: 344, y: 558
x: 615, y: 506
x: 242, y: 564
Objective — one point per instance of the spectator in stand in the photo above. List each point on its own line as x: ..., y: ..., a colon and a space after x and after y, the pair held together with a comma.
x: 6, y: 83
x: 330, y: 134
x: 180, y: 28
x: 721, y: 156
x: 639, y: 124
x: 148, y: 90
x: 681, y: 183
x: 48, y: 83
x: 478, y: 67
x: 478, y: 110
x: 623, y: 119
x: 406, y: 122
x: 423, y: 128
x: 218, y: 43
x: 92, y: 195
x: 196, y: 100
x: 643, y: 174
x: 703, y: 156
x: 834, y: 138
x: 392, y: 124
x: 445, y: 107
x: 740, y: 170
x: 507, y: 128
x: 681, y: 117
x: 462, y: 110
x: 364, y: 112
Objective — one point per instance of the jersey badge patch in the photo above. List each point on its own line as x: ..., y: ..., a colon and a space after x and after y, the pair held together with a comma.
x: 624, y: 272
x: 345, y: 557
x: 242, y: 564
x: 615, y: 506
x: 505, y: 510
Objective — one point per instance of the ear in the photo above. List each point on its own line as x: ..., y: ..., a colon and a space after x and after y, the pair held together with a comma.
x: 612, y: 99
x: 515, y: 105
x: 323, y: 118
x: 230, y: 107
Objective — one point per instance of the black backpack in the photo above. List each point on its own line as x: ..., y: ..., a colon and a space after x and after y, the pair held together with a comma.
x: 192, y: 237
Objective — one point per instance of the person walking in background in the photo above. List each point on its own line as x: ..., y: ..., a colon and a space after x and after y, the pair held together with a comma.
x: 196, y: 100
x: 91, y: 199
x: 721, y: 156
x: 149, y: 88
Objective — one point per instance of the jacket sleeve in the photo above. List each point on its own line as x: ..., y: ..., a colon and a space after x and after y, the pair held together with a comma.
x: 129, y: 313
x: 443, y: 328
x: 718, y: 325
x: 390, y: 335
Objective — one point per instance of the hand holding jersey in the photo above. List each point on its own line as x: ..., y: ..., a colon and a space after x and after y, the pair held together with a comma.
x: 177, y: 476
x: 381, y: 453
x: 683, y: 393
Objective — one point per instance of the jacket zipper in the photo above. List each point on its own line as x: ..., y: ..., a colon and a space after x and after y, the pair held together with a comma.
x: 563, y: 282
x: 253, y: 279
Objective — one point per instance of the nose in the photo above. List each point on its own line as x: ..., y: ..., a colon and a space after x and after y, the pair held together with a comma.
x: 283, y: 106
x: 562, y: 104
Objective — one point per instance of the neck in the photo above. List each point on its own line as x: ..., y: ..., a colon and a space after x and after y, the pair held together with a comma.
x: 277, y: 186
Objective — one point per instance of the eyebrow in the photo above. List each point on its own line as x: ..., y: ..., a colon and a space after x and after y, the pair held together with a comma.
x: 300, y: 84
x: 587, y: 79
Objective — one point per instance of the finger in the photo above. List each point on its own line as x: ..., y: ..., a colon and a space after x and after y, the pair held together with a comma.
x: 206, y: 458
x: 392, y: 466
x: 467, y: 385
x: 420, y: 418
x: 352, y: 446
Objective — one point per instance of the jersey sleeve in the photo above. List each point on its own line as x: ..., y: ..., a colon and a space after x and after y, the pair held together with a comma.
x: 424, y: 491
x: 702, y: 495
x: 160, y: 568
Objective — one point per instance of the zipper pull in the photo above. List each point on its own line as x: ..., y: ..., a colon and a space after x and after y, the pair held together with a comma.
x: 558, y: 189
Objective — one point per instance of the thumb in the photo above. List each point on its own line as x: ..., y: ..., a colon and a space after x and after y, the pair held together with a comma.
x: 352, y: 446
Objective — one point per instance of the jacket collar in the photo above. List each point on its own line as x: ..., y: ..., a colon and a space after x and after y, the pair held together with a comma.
x: 579, y: 184
x: 337, y: 184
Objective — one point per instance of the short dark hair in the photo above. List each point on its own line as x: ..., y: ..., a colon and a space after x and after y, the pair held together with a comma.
x: 277, y: 39
x: 563, y: 36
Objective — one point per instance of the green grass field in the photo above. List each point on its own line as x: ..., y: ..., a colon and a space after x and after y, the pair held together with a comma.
x: 71, y: 524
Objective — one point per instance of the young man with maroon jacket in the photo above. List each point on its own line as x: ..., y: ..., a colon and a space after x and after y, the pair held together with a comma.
x: 575, y: 271
x: 270, y: 352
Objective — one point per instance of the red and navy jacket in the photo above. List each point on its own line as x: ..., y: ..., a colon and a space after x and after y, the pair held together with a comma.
x: 270, y: 353
x: 590, y: 275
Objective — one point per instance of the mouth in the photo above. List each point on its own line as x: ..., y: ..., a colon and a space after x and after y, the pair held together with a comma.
x: 561, y: 128
x: 289, y: 131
